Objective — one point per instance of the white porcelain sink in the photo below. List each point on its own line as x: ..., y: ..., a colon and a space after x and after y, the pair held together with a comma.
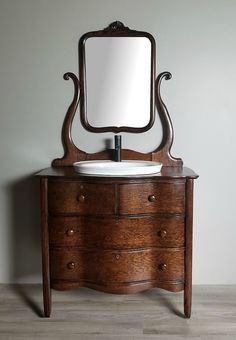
x: 111, y: 168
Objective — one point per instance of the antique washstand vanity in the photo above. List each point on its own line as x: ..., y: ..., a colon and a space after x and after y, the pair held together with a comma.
x: 118, y: 227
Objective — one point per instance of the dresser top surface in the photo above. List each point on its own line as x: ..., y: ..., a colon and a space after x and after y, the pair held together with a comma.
x: 166, y: 173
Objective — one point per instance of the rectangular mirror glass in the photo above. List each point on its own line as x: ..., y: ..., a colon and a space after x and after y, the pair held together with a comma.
x: 117, y: 81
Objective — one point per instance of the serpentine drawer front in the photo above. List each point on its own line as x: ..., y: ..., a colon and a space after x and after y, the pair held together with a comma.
x: 117, y: 235
x: 112, y: 232
x: 123, y: 224
x: 163, y: 197
x: 80, y: 197
x: 117, y: 266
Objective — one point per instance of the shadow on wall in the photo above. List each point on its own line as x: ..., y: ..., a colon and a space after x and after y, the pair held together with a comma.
x: 25, y: 231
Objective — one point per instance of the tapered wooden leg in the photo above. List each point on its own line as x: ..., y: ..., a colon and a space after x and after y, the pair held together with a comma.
x: 45, y: 247
x: 46, y: 300
x: 188, y: 248
x: 188, y: 299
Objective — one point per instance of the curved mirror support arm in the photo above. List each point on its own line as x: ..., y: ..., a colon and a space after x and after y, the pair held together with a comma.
x: 162, y: 153
x: 71, y: 152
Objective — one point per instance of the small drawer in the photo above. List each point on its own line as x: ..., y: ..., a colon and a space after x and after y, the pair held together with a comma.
x: 66, y: 231
x: 161, y: 197
x: 114, y: 233
x: 139, y: 265
x: 82, y: 198
x: 67, y: 265
x: 117, y: 266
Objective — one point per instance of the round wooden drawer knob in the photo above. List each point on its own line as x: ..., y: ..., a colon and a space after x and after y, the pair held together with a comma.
x: 70, y: 232
x: 81, y: 198
x: 162, y: 233
x: 152, y: 198
x: 162, y: 267
x: 71, y: 265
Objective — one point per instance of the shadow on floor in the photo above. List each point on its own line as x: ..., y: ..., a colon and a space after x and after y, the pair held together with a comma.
x: 162, y: 299
x: 26, y: 295
x: 25, y: 252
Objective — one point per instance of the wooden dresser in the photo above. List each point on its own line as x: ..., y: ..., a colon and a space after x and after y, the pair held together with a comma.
x: 118, y: 235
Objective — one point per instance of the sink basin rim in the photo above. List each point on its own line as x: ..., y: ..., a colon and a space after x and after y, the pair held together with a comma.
x: 112, y: 168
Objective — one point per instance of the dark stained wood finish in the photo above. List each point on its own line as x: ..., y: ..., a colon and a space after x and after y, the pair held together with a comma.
x: 162, y: 154
x: 45, y: 247
x: 116, y: 233
x: 82, y: 198
x: 167, y: 172
x: 71, y: 152
x: 120, y: 288
x: 188, y: 251
x: 162, y: 197
x: 105, y: 266
x: 115, y: 29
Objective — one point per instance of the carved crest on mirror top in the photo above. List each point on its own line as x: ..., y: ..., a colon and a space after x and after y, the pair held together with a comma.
x: 161, y: 154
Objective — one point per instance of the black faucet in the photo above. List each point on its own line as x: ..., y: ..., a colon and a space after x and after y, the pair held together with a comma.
x: 117, y: 148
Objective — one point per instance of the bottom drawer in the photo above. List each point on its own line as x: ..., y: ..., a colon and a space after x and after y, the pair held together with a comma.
x: 117, y: 266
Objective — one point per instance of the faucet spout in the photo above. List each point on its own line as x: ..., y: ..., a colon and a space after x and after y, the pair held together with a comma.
x: 117, y: 148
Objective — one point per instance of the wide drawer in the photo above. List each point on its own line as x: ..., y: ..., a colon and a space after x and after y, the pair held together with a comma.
x: 117, y: 266
x: 152, y: 197
x: 82, y: 198
x: 113, y: 233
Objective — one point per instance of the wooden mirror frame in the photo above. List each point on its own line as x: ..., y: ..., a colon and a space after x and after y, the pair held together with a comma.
x: 161, y: 154
x: 115, y: 29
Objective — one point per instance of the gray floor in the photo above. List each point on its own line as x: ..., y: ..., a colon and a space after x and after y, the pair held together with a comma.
x: 86, y: 314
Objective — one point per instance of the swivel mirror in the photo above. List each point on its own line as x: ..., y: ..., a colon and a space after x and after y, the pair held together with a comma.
x: 117, y: 74
x: 125, y: 229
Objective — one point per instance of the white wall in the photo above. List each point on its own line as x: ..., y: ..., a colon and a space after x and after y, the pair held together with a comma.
x: 195, y: 41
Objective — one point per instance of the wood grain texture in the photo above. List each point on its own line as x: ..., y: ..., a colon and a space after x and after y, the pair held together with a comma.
x: 104, y: 266
x: 116, y: 232
x: 162, y: 154
x: 188, y: 251
x: 73, y: 154
x: 167, y: 172
x: 117, y: 235
x: 83, y: 198
x: 85, y: 314
x: 169, y: 197
x: 45, y: 247
x: 120, y: 287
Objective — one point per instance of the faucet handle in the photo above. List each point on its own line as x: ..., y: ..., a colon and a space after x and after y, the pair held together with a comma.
x: 117, y: 148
